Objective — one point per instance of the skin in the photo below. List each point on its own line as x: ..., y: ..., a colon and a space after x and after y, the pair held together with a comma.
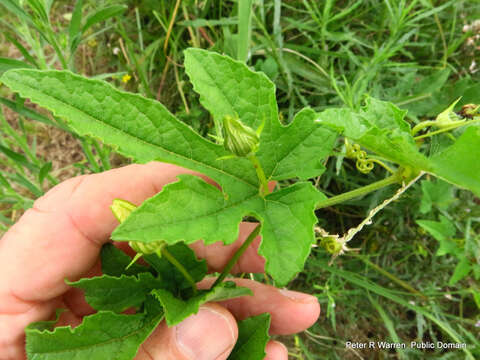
x: 61, y: 237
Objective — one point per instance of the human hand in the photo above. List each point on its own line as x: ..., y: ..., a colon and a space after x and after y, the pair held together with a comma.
x: 61, y: 237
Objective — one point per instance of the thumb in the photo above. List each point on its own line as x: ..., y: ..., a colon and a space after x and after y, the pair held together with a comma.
x: 209, y: 335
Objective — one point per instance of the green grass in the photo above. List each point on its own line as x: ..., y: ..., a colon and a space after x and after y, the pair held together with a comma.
x: 318, y: 53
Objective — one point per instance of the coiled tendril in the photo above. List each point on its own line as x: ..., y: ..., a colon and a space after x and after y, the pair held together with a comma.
x: 363, y: 163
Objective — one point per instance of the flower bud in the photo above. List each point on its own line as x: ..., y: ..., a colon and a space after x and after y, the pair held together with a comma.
x: 121, y: 209
x: 147, y: 248
x: 448, y: 117
x: 239, y: 139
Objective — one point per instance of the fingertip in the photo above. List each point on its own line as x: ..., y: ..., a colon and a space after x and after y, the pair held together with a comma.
x: 276, y: 351
x: 291, y: 311
x: 307, y: 307
x: 209, y: 334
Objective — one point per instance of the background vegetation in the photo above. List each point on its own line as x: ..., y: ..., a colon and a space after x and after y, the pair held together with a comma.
x: 419, y: 54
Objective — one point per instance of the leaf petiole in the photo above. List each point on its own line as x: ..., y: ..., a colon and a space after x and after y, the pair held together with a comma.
x: 422, y: 125
x: 261, y: 175
x: 236, y: 256
x: 165, y: 253
x: 454, y: 126
x: 395, y: 178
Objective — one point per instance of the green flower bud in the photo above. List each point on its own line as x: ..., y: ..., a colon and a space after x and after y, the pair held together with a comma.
x: 147, y: 248
x: 239, y: 139
x: 448, y: 117
x: 121, y: 209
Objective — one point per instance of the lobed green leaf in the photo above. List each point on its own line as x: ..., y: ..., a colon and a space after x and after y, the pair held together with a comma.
x: 438, y: 193
x: 101, y: 336
x: 229, y: 88
x: 139, y: 128
x: 117, y: 293
x: 379, y: 127
x: 287, y: 218
x: 252, y: 338
x: 459, y: 163
x: 177, y: 309
x: 442, y: 231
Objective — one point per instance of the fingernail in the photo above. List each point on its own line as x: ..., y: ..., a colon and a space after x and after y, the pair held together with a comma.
x: 205, y: 336
x: 298, y: 296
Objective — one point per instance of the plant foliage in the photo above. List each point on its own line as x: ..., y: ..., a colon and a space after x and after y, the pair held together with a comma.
x: 191, y: 208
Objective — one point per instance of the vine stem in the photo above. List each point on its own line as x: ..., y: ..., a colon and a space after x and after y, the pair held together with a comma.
x: 422, y: 125
x: 237, y: 255
x: 261, y: 175
x: 180, y: 268
x: 395, y: 178
x: 448, y: 128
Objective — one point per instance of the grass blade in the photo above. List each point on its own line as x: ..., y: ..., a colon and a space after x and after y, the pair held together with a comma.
x: 7, y: 64
x: 244, y: 29
x: 102, y: 15
x: 74, y: 29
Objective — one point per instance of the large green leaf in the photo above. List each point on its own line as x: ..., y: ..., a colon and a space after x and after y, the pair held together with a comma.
x: 252, y: 338
x: 459, y: 163
x: 139, y: 128
x: 379, y: 127
x: 177, y: 309
x: 229, y: 88
x: 287, y: 219
x: 297, y: 150
x: 101, y: 336
x: 117, y: 293
x: 287, y: 229
x: 186, y: 210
